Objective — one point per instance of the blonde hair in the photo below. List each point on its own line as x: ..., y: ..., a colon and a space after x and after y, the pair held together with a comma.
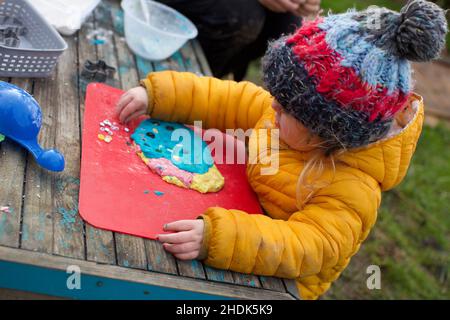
x: 312, y: 177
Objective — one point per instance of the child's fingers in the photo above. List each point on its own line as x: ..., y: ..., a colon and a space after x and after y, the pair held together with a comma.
x: 135, y: 115
x: 179, y: 237
x: 180, y: 225
x: 187, y: 256
x: 181, y: 247
x: 131, y: 108
x: 123, y: 101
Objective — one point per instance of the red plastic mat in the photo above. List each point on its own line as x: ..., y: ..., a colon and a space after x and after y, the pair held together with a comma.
x: 118, y: 192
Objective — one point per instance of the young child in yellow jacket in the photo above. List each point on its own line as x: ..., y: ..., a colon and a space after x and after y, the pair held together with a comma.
x: 341, y: 97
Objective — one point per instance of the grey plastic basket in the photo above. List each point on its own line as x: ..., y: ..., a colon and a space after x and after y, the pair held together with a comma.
x: 39, y: 49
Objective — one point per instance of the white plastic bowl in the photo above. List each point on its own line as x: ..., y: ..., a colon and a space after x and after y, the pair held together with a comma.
x: 162, y: 35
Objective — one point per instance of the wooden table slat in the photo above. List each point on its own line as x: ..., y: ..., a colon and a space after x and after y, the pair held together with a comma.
x: 100, y: 246
x: 157, y: 258
x: 108, y: 272
x: 190, y: 59
x: 206, y: 70
x: 130, y: 250
x: 249, y: 280
x: 68, y: 227
x: 12, y: 172
x: 37, y: 219
x: 272, y: 283
x: 291, y: 287
x: 214, y: 274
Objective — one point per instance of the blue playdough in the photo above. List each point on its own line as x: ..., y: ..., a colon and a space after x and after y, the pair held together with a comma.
x: 160, y: 139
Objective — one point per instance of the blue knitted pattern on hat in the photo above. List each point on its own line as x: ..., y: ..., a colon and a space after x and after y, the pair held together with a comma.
x: 372, y: 64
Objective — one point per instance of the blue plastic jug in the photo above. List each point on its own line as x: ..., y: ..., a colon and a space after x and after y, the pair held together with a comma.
x: 20, y: 120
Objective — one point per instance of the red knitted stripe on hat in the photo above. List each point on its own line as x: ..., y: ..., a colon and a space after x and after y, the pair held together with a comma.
x: 338, y: 83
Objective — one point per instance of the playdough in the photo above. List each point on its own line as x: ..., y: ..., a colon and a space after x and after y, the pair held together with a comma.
x: 178, y: 155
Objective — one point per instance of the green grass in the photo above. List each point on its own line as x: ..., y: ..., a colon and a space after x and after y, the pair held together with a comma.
x: 343, y: 5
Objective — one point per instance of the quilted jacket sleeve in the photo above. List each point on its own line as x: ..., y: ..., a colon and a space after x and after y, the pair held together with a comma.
x: 185, y: 97
x: 319, y: 239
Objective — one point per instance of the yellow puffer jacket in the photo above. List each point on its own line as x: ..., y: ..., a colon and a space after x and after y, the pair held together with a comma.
x: 312, y: 245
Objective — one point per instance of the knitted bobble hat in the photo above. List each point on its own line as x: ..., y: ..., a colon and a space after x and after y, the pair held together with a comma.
x: 345, y: 77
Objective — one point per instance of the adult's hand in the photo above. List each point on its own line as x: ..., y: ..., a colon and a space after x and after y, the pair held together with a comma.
x: 309, y: 9
x: 282, y: 5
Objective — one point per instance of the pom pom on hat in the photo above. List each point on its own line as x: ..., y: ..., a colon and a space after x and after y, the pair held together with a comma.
x: 421, y: 33
x: 417, y: 33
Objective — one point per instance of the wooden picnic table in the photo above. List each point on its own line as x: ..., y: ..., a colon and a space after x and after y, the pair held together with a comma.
x: 43, y: 233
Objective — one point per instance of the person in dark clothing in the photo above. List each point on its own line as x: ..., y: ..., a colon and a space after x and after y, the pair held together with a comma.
x: 232, y: 33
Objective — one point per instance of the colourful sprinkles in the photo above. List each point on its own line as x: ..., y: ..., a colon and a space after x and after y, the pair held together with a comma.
x: 107, y: 129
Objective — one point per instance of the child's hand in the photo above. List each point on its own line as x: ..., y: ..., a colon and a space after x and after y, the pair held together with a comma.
x: 132, y: 104
x: 186, y: 243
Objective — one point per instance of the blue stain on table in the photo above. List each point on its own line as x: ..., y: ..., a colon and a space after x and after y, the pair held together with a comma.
x: 95, y: 234
x: 159, y: 193
x: 65, y: 182
x: 5, y: 224
x: 118, y: 21
x: 25, y: 233
x: 178, y: 58
x: 251, y: 283
x: 68, y: 218
x: 175, y: 142
x: 39, y: 236
x: 124, y: 70
x: 144, y: 66
x: 98, y: 42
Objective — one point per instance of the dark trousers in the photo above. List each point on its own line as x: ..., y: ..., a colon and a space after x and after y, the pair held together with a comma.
x: 234, y: 32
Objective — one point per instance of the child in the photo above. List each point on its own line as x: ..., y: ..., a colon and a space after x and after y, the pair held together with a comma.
x: 348, y: 123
